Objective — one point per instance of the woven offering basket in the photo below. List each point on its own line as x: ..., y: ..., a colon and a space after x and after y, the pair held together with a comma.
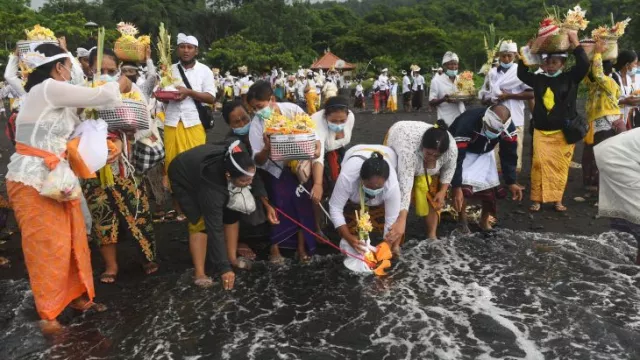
x: 293, y: 147
x: 552, y: 43
x: 130, y: 51
x: 131, y: 116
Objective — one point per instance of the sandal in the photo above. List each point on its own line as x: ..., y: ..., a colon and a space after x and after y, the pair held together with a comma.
x: 150, y: 268
x: 535, y: 207
x: 560, y: 208
x: 203, y: 282
x: 106, y: 278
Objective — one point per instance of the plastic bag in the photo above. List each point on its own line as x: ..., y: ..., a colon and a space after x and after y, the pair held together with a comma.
x: 61, y: 184
x: 241, y: 199
x: 93, y: 143
x: 353, y: 264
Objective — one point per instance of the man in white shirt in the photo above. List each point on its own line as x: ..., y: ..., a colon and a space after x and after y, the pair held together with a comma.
x: 183, y: 129
x: 442, y: 86
x: 383, y: 84
x: 502, y: 86
x: 418, y: 88
x: 406, y: 91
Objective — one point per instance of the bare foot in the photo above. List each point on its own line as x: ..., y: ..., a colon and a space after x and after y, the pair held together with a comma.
x: 245, y: 251
x: 150, y: 268
x: 50, y: 327
x: 275, y: 257
x: 203, y: 281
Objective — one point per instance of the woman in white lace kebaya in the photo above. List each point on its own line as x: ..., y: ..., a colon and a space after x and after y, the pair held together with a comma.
x: 427, y: 156
x: 54, y: 239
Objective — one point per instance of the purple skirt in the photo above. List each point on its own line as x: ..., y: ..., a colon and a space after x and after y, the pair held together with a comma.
x: 282, y: 194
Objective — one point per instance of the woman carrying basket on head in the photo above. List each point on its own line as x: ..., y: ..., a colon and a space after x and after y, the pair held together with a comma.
x: 280, y: 180
x: 117, y: 198
x: 54, y: 238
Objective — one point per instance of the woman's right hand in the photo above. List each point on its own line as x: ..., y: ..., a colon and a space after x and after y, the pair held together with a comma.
x: 228, y: 279
x: 125, y: 84
x: 355, y: 243
x: 396, y: 231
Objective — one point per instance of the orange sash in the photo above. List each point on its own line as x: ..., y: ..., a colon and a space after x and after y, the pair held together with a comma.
x: 51, y: 160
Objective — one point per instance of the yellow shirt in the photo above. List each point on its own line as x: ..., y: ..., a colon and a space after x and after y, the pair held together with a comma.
x: 604, y: 92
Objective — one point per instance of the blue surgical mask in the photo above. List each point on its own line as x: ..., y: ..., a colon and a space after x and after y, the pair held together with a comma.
x: 109, y: 78
x: 451, y: 73
x: 372, y: 192
x: 556, y: 74
x: 506, y: 66
x: 335, y: 127
x: 265, y: 113
x: 490, y: 135
x: 242, y: 130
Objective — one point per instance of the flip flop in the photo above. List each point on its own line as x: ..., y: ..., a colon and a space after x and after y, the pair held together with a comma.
x: 534, y: 208
x: 204, y: 282
x: 560, y: 208
x: 108, y: 278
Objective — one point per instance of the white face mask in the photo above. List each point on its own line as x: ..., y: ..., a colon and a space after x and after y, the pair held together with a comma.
x: 77, y: 78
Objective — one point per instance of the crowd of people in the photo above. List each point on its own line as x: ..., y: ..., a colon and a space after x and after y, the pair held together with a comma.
x: 216, y: 187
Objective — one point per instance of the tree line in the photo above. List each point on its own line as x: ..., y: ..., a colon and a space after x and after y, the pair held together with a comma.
x: 288, y: 33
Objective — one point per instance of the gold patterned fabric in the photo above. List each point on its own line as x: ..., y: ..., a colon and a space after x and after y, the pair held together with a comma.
x: 121, y: 207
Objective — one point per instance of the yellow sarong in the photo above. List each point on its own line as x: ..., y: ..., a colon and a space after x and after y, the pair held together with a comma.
x: 424, y: 189
x: 311, y: 97
x: 392, y: 103
x: 550, y: 169
x: 180, y: 139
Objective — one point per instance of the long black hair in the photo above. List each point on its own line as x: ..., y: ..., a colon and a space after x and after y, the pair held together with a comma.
x: 375, y: 165
x: 43, y: 72
x: 436, y: 137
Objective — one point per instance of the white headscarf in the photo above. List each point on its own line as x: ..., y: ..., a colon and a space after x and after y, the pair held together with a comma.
x: 508, y: 46
x: 184, y: 39
x: 449, y: 56
x: 82, y: 52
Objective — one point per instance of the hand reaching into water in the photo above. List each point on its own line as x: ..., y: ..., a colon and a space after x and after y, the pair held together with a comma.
x: 228, y: 279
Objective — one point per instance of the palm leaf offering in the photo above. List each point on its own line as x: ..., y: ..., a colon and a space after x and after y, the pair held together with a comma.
x: 491, y: 47
x: 164, y: 57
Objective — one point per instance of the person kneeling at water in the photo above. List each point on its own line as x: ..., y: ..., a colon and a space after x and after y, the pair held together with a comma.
x: 427, y: 157
x: 477, y: 132
x: 211, y: 184
x: 368, y: 178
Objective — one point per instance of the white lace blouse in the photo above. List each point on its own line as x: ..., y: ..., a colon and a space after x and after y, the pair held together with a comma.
x: 47, y: 120
x: 405, y: 139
